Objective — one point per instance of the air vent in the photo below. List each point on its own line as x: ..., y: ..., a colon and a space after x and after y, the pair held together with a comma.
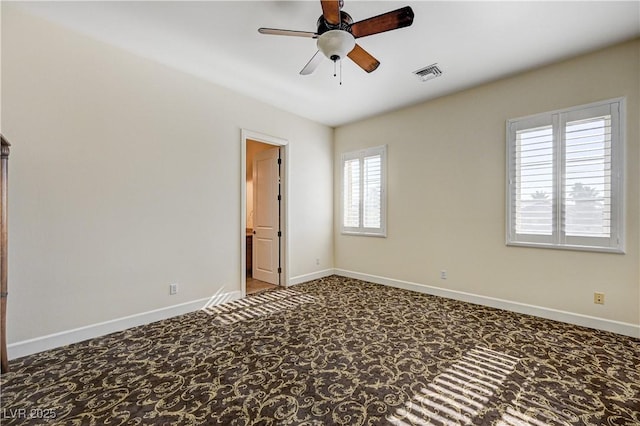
x: 429, y: 72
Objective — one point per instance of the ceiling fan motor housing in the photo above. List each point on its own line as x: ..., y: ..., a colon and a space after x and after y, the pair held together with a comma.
x: 345, y: 23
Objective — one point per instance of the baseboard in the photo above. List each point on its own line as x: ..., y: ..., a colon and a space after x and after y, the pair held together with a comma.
x: 39, y: 344
x: 55, y: 340
x: 310, y: 277
x: 626, y: 329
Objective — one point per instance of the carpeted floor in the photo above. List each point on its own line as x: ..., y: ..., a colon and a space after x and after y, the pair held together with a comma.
x: 334, y: 351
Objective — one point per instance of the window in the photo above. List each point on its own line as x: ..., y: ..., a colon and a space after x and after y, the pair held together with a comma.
x: 565, y: 178
x: 363, y: 192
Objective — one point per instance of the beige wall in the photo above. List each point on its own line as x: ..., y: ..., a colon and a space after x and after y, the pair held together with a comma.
x: 125, y: 176
x: 446, y: 202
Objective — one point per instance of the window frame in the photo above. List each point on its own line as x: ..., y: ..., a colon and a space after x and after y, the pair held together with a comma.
x: 361, y: 229
x: 558, y: 119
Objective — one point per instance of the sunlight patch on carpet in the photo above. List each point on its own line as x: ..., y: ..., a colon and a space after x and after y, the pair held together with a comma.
x: 458, y: 394
x: 523, y: 412
x: 257, y: 306
x: 516, y: 418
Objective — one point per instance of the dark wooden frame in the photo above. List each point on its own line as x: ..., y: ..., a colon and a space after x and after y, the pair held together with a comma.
x: 4, y: 232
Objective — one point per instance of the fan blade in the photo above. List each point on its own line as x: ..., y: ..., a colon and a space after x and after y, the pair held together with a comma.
x: 387, y: 21
x: 363, y: 59
x: 331, y: 11
x: 275, y: 31
x: 312, y: 64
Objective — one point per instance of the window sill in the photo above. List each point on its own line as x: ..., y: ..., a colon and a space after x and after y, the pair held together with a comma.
x: 568, y: 247
x: 364, y: 234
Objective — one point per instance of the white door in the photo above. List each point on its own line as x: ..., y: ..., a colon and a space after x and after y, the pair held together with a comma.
x: 266, y: 216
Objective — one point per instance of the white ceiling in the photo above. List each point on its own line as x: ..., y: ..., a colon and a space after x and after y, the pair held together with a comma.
x: 473, y: 42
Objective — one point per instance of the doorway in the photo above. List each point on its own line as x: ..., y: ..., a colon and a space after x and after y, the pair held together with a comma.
x: 263, y: 210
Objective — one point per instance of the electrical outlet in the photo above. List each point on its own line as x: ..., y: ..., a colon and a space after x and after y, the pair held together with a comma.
x: 443, y: 274
x: 317, y: 261
x: 173, y: 288
x: 598, y: 298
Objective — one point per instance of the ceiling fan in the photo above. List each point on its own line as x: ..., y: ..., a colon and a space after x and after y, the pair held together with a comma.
x: 337, y: 34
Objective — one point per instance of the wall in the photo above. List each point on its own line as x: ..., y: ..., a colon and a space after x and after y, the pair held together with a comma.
x: 125, y: 176
x: 446, y: 195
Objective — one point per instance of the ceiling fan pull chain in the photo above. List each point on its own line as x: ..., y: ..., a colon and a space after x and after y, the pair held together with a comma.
x: 334, y: 68
x: 340, y: 72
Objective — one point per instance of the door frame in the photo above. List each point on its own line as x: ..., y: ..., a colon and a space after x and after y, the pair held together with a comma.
x: 245, y: 136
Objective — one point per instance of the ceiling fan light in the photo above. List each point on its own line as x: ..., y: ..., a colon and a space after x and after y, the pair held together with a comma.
x: 336, y: 44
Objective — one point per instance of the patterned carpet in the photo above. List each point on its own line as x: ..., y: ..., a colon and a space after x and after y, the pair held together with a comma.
x: 334, y: 351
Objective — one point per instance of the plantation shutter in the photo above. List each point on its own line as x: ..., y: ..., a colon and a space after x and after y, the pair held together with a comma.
x: 588, y: 185
x: 532, y: 183
x: 351, y: 209
x: 372, y: 187
x: 363, y: 192
x: 565, y: 172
